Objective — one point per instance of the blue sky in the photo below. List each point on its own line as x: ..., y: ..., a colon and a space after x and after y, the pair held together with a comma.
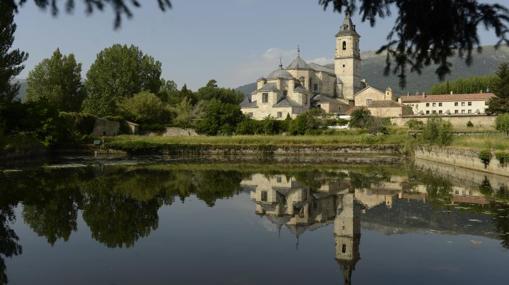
x: 232, y: 41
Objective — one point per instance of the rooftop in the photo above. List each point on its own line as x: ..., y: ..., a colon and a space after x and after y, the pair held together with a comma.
x: 446, y: 97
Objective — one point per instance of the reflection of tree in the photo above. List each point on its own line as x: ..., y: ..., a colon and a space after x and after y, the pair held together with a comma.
x: 118, y: 211
x: 9, y: 245
x: 501, y: 220
x: 213, y: 185
x: 438, y: 188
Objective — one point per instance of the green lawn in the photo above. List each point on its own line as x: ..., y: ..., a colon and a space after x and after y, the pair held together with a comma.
x: 343, y: 138
x: 495, y: 141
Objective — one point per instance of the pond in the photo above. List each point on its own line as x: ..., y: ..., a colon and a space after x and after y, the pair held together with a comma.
x: 253, y: 223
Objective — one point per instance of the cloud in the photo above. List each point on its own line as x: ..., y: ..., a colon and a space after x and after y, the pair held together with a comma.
x: 258, y: 65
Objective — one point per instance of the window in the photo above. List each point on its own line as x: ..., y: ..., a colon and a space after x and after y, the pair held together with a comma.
x: 427, y: 112
x: 434, y: 112
x: 434, y: 104
x: 455, y: 103
x: 456, y: 111
x: 265, y: 97
x: 344, y: 45
x: 440, y: 111
x: 427, y: 104
x: 285, y: 93
x: 462, y: 111
x: 440, y: 104
x: 469, y: 103
x: 264, y: 196
x: 462, y: 103
x: 315, y: 87
x: 279, y: 179
x: 279, y: 114
x: 470, y: 111
x: 343, y: 248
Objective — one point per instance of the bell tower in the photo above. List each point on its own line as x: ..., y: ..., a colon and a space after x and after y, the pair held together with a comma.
x: 347, y: 63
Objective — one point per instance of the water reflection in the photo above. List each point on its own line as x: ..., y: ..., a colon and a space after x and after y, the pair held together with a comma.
x: 120, y: 205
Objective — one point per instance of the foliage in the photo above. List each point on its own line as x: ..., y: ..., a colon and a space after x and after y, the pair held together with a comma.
x: 502, y: 157
x: 414, y: 124
x: 305, y: 123
x: 118, y: 73
x: 502, y: 123
x: 185, y: 114
x: 79, y: 124
x: 11, y: 60
x: 167, y: 91
x: 437, y: 131
x: 219, y: 118
x: 485, y: 156
x: 470, y: 124
x: 211, y: 91
x: 417, y: 42
x: 360, y: 118
x: 500, y: 103
x: 465, y: 86
x: 145, y: 108
x: 57, y: 80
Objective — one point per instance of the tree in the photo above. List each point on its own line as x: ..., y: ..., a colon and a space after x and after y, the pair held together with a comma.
x: 219, y: 118
x: 305, y: 122
x: 119, y: 72
x: 360, y: 118
x: 167, y: 91
x: 58, y: 81
x: 11, y: 61
x: 415, y: 41
x: 502, y: 123
x: 437, y: 131
x: 145, y: 108
x: 185, y: 114
x: 474, y: 84
x: 500, y: 103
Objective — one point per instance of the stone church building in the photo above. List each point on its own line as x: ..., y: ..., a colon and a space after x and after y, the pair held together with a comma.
x: 295, y: 89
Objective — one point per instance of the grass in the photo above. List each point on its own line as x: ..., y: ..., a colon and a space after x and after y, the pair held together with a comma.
x: 495, y: 141
x: 343, y: 138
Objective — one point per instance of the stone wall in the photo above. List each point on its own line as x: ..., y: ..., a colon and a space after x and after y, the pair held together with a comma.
x: 457, y: 121
x: 460, y: 158
x: 104, y: 127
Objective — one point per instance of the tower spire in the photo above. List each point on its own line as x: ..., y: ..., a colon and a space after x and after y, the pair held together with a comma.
x: 281, y: 62
x: 298, y: 50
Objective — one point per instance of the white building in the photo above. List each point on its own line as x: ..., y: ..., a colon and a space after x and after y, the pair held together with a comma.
x: 448, y: 104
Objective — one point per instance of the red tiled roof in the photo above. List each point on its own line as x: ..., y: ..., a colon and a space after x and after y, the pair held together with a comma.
x: 447, y: 97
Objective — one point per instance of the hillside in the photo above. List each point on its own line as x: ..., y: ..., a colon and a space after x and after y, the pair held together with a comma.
x: 373, y: 66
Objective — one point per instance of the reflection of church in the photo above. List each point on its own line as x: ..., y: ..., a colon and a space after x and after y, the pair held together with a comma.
x: 287, y: 202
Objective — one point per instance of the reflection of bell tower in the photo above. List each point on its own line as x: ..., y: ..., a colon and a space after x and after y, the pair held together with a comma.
x: 347, y: 232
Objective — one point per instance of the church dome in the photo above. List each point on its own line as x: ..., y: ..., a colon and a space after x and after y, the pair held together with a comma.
x: 280, y: 74
x: 298, y: 63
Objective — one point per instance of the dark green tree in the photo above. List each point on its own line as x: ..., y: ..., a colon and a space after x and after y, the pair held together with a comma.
x: 474, y: 84
x: 11, y: 60
x: 145, y: 108
x: 500, y: 103
x: 57, y: 80
x: 219, y: 118
x: 502, y: 123
x: 119, y: 72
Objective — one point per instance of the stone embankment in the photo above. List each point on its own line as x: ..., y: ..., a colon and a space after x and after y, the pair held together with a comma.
x: 465, y: 158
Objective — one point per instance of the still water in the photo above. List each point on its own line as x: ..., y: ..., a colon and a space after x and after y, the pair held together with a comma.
x: 204, y: 223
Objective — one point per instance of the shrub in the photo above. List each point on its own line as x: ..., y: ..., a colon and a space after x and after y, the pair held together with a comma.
x: 378, y: 126
x: 502, y: 157
x: 470, y: 124
x: 485, y: 156
x: 145, y: 108
x: 360, y: 118
x: 81, y: 123
x: 414, y: 124
x: 437, y: 131
x: 304, y: 123
x: 502, y: 123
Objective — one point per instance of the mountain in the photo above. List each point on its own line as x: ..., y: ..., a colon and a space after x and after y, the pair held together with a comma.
x: 373, y: 71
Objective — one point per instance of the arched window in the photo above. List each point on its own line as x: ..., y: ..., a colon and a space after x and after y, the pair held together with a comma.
x: 344, y: 45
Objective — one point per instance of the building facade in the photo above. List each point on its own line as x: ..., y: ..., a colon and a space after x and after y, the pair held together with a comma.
x: 448, y: 104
